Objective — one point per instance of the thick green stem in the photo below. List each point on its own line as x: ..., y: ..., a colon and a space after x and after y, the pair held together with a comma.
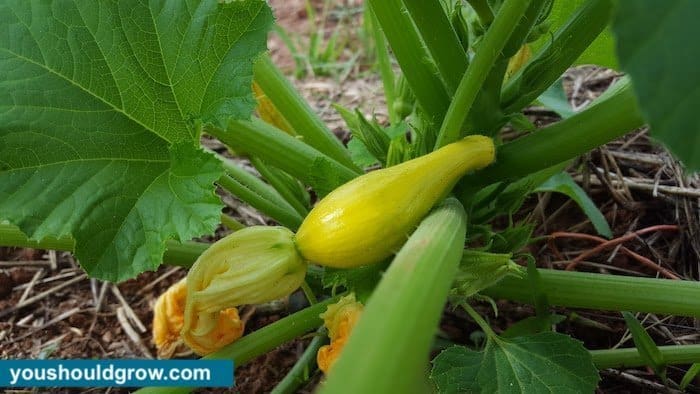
x: 282, y: 213
x: 260, y: 341
x: 489, y: 50
x: 298, y: 112
x: 547, y: 65
x: 176, y: 253
x: 384, y: 63
x: 295, y: 377
x: 486, y: 116
x: 605, y: 292
x: 282, y: 183
x: 610, y: 117
x: 412, y: 57
x: 285, y: 152
x: 564, y: 288
x: 630, y: 357
x: 389, y: 347
x: 258, y: 194
x: 440, y: 39
x: 231, y: 222
x: 483, y: 11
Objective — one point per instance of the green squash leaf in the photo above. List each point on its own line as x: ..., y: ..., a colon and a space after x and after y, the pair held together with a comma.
x: 543, y: 363
x: 655, y: 45
x: 97, y: 120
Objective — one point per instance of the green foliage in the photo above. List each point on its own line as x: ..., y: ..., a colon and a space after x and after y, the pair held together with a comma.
x: 100, y: 130
x: 645, y: 345
x: 479, y: 270
x: 563, y: 183
x: 99, y: 136
x: 653, y: 48
x: 359, y: 280
x: 542, y: 363
x: 555, y: 99
x: 600, y: 52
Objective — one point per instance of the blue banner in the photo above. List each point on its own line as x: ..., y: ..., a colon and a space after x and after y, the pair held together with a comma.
x: 116, y: 373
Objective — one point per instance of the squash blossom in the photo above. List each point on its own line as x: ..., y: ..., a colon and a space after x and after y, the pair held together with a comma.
x: 251, y: 266
x: 518, y: 60
x: 339, y: 319
x: 367, y: 219
x: 168, y: 319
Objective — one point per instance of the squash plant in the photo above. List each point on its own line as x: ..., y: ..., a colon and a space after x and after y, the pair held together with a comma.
x: 104, y: 105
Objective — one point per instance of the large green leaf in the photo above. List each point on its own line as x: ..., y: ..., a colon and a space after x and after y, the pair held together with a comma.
x: 543, y: 363
x: 656, y: 45
x: 98, y: 113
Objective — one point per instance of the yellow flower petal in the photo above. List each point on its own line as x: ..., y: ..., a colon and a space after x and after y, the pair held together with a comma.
x: 168, y: 320
x: 339, y: 319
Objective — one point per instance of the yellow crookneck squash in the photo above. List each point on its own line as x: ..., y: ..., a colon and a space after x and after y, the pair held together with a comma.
x: 368, y: 219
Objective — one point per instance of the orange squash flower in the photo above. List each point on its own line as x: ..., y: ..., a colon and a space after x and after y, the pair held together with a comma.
x: 168, y: 320
x: 339, y: 319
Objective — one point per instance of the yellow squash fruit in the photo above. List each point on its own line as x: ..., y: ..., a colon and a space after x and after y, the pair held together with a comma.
x: 368, y: 219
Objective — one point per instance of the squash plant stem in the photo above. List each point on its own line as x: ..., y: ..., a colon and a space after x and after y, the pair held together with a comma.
x: 563, y: 288
x: 488, y: 51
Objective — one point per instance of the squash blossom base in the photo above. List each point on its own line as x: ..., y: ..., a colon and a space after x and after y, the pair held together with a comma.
x: 251, y: 266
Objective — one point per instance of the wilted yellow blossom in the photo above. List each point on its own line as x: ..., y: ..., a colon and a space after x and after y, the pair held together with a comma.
x: 268, y: 112
x: 339, y: 319
x: 168, y: 320
x: 251, y: 266
x: 518, y: 60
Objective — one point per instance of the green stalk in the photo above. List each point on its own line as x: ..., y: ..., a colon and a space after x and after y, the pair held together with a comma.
x: 295, y: 377
x: 258, y: 194
x: 547, y: 65
x: 412, y: 57
x: 176, y: 253
x: 571, y: 289
x: 630, y: 357
x: 440, y: 39
x: 298, y: 113
x: 483, y: 11
x: 278, y: 183
x: 10, y: 235
x: 486, y: 116
x: 605, y: 292
x: 285, y: 152
x: 389, y: 347
x: 489, y: 50
x: 282, y: 213
x: 231, y: 222
x: 384, y: 63
x: 608, y: 118
x: 259, y: 342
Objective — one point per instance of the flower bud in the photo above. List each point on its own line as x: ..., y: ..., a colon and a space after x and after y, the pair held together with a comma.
x: 339, y: 319
x: 168, y: 320
x: 251, y: 266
